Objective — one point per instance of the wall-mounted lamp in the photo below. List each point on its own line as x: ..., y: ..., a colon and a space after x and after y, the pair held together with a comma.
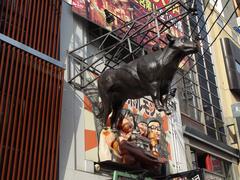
x: 109, y: 17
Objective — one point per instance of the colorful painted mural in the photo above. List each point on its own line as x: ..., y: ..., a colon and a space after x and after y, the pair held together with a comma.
x: 124, y: 10
x: 100, y: 12
x: 143, y: 132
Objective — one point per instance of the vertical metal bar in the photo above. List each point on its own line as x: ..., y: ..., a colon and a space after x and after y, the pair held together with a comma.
x: 15, y: 19
x: 51, y: 119
x: 32, y: 23
x: 28, y: 116
x: 51, y: 27
x: 35, y: 45
x: 24, y: 57
x: 38, y: 119
x: 29, y: 105
x: 6, y: 120
x: 44, y: 17
x: 58, y: 29
x: 6, y: 17
x: 2, y: 70
x: 10, y: 20
x: 21, y: 17
x: 17, y: 112
x: 55, y: 27
x: 48, y: 11
x: 36, y: 29
x: 47, y: 117
x: 55, y: 125
x: 20, y: 119
x: 41, y: 31
x: 2, y: 20
x: 12, y: 129
x: 44, y: 26
x: 33, y: 117
x: 12, y: 112
x: 6, y: 31
x: 43, y: 119
x: 59, y: 120
x: 46, y: 50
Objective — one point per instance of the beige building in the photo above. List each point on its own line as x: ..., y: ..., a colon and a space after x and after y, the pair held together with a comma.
x: 226, y: 73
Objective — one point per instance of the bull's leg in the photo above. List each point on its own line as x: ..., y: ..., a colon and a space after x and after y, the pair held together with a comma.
x: 164, y: 100
x: 153, y: 88
x: 106, y: 109
x: 157, y: 101
x: 103, y: 88
x: 158, y: 104
x: 117, y: 107
x: 106, y: 112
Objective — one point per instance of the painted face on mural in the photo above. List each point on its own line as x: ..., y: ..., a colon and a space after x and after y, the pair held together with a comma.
x: 143, y: 129
x: 127, y: 124
x: 154, y: 128
x: 126, y: 128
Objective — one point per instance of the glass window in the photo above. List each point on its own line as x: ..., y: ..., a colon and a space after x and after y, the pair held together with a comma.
x: 207, y: 107
x: 203, y: 82
x: 217, y: 113
x: 209, y: 121
x: 221, y: 131
x: 209, y: 66
x: 194, y: 160
x: 237, y: 66
x: 215, y: 101
x: 213, y: 89
x: 199, y: 59
x: 205, y: 95
x: 211, y: 77
x: 201, y: 70
x: 217, y: 164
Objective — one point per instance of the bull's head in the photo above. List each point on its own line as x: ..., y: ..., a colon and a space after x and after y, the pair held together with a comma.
x: 183, y: 44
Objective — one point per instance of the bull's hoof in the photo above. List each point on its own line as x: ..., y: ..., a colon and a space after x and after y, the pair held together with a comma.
x: 159, y: 107
x: 168, y: 112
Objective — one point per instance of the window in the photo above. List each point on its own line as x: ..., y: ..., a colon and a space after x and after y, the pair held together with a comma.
x: 218, y: 6
x: 217, y: 165
x: 207, y: 161
x: 198, y: 95
x: 237, y: 66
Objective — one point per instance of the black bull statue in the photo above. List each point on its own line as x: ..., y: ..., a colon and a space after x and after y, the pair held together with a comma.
x: 149, y: 75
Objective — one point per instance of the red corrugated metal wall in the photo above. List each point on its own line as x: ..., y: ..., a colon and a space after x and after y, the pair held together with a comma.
x: 30, y: 90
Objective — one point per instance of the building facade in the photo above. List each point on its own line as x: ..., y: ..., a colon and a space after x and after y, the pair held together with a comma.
x: 36, y: 94
x: 31, y: 88
x: 205, y: 126
x: 209, y: 100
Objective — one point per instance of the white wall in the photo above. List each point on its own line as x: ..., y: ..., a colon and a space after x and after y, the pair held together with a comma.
x: 72, y: 163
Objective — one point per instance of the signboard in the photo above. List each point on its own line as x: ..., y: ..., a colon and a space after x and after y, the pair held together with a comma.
x: 125, y: 10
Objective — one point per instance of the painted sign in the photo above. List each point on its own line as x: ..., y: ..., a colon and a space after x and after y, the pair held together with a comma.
x: 124, y: 10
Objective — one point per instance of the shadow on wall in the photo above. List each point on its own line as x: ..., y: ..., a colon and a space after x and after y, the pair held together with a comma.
x: 71, y: 120
x: 72, y: 36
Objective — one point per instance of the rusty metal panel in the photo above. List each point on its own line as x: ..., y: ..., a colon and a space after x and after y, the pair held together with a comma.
x: 30, y: 90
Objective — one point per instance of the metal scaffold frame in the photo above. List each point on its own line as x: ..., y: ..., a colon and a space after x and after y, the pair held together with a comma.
x: 131, y: 39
